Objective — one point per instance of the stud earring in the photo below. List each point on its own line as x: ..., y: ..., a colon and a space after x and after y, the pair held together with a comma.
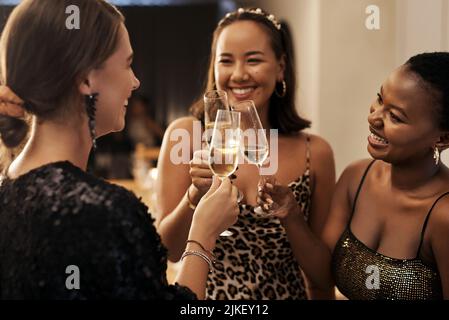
x: 90, y: 101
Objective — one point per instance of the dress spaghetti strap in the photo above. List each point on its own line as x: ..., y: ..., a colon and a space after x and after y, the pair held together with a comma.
x: 307, y: 152
x: 426, y: 221
x: 359, y: 188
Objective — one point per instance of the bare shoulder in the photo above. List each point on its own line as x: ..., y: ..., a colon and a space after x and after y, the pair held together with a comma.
x: 352, y: 175
x: 183, y: 123
x: 438, y: 233
x: 439, y: 219
x: 320, y: 148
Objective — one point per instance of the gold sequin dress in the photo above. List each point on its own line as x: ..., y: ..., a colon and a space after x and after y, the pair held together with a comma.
x: 356, y: 266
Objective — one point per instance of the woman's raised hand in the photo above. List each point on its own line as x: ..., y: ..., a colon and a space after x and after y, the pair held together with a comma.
x: 201, y: 174
x: 217, y: 210
x: 278, y: 200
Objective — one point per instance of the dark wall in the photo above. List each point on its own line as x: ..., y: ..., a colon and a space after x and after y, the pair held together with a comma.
x: 171, y: 45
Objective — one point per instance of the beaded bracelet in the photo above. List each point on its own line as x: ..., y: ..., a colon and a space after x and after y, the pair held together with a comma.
x: 189, y: 202
x: 198, y: 254
x: 204, y: 249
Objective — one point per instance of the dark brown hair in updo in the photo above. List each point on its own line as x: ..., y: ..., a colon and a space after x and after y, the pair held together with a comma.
x: 43, y: 61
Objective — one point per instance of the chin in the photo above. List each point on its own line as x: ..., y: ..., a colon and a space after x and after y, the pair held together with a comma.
x: 376, y: 155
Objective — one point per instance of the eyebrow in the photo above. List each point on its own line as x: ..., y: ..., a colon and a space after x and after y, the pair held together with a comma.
x: 249, y: 53
x: 401, y: 110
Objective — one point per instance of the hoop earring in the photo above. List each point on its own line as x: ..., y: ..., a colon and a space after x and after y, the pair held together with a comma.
x: 90, y: 101
x: 436, y: 155
x: 284, y: 90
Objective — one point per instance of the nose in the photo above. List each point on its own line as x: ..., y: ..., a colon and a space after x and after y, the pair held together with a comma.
x: 375, y: 117
x: 239, y: 74
x: 136, y: 82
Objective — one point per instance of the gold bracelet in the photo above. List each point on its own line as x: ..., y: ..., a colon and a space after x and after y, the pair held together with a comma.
x: 189, y: 202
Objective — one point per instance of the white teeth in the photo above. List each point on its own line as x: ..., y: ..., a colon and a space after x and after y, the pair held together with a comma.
x: 126, y: 102
x: 378, y: 139
x: 242, y: 90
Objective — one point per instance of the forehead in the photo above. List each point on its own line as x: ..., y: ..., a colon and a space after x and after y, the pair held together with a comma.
x: 123, y: 49
x: 406, y: 89
x: 243, y: 36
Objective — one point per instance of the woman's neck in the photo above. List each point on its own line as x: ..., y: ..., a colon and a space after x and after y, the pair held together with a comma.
x: 52, y: 142
x: 413, y: 175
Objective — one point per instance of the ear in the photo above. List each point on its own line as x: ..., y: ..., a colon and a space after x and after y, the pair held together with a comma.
x: 281, y: 70
x: 85, y: 84
x: 443, y: 143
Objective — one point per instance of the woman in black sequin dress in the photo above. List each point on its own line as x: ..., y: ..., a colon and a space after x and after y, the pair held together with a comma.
x: 65, y: 234
x: 388, y: 230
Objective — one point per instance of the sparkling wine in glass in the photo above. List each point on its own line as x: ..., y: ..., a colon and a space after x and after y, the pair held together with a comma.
x: 224, y: 147
x: 214, y: 100
x: 254, y: 142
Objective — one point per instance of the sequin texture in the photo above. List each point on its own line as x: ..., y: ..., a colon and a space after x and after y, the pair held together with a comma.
x: 399, y: 279
x: 58, y: 215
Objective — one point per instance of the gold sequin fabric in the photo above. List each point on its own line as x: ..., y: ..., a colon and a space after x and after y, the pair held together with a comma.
x: 356, y: 266
x: 257, y: 262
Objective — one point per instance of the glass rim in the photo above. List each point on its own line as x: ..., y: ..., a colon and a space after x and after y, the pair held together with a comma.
x: 230, y: 111
x: 245, y: 101
x: 218, y: 94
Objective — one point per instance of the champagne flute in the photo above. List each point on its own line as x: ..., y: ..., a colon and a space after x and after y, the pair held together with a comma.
x: 225, y: 146
x: 214, y: 100
x: 254, y: 142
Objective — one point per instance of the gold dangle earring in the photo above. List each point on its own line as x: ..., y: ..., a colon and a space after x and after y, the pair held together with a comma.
x: 436, y: 155
x: 284, y: 90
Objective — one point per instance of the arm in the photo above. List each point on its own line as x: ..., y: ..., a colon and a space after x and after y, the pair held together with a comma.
x: 438, y: 230
x: 316, y: 266
x: 174, y: 215
x: 323, y: 187
x: 216, y: 211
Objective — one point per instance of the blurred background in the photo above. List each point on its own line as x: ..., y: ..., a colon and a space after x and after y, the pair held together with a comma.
x: 340, y: 65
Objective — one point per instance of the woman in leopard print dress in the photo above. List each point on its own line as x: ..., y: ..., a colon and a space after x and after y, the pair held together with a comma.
x: 251, y: 59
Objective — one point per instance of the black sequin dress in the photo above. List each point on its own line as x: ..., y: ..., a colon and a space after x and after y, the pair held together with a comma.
x: 58, y: 216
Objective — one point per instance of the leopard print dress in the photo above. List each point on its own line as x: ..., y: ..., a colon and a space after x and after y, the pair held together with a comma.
x: 257, y: 262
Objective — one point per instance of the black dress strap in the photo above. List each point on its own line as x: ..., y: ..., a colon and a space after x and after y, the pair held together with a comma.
x: 307, y: 152
x: 359, y: 188
x: 426, y: 221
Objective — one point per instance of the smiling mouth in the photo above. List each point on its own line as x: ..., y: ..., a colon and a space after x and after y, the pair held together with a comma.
x: 376, y: 139
x: 242, y: 91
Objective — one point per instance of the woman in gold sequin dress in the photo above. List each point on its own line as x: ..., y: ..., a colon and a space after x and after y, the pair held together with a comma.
x: 252, y: 59
x: 388, y: 230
